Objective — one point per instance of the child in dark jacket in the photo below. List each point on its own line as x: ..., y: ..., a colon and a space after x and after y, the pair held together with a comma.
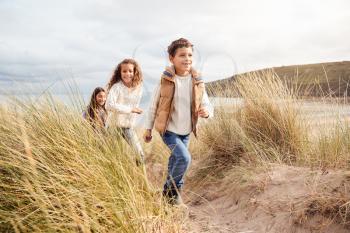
x: 95, y: 112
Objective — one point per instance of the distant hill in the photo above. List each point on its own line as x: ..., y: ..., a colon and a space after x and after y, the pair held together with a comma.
x: 331, y: 78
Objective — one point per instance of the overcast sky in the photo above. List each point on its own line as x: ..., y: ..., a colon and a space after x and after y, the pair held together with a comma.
x: 43, y: 41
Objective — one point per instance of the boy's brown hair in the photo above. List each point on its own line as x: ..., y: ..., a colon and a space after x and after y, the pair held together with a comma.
x: 179, y: 43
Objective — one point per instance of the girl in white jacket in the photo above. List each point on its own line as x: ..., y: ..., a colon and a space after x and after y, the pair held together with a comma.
x: 123, y: 99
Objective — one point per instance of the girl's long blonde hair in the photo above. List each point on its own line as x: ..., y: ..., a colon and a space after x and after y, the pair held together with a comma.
x: 116, y: 77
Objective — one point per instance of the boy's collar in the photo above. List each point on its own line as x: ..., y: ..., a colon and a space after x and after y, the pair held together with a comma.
x: 169, y: 74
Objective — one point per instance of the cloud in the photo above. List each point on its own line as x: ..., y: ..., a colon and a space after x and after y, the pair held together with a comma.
x: 42, y: 41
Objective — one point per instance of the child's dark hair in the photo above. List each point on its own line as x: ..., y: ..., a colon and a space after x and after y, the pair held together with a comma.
x: 116, y: 77
x: 179, y: 43
x: 91, y: 108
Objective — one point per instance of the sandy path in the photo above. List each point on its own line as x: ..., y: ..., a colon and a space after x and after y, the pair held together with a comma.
x: 273, y: 203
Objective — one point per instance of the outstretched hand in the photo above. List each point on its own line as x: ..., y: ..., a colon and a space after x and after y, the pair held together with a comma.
x: 137, y: 110
x: 147, y: 136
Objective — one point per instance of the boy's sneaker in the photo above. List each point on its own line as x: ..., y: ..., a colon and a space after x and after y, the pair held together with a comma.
x: 178, y: 200
x: 173, y: 197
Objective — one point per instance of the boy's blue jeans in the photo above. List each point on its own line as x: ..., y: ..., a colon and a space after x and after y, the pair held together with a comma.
x: 179, y: 159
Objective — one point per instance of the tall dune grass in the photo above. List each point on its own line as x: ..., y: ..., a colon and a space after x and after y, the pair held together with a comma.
x: 265, y: 128
x: 270, y: 127
x: 331, y: 148
x: 270, y: 117
x: 58, y: 174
